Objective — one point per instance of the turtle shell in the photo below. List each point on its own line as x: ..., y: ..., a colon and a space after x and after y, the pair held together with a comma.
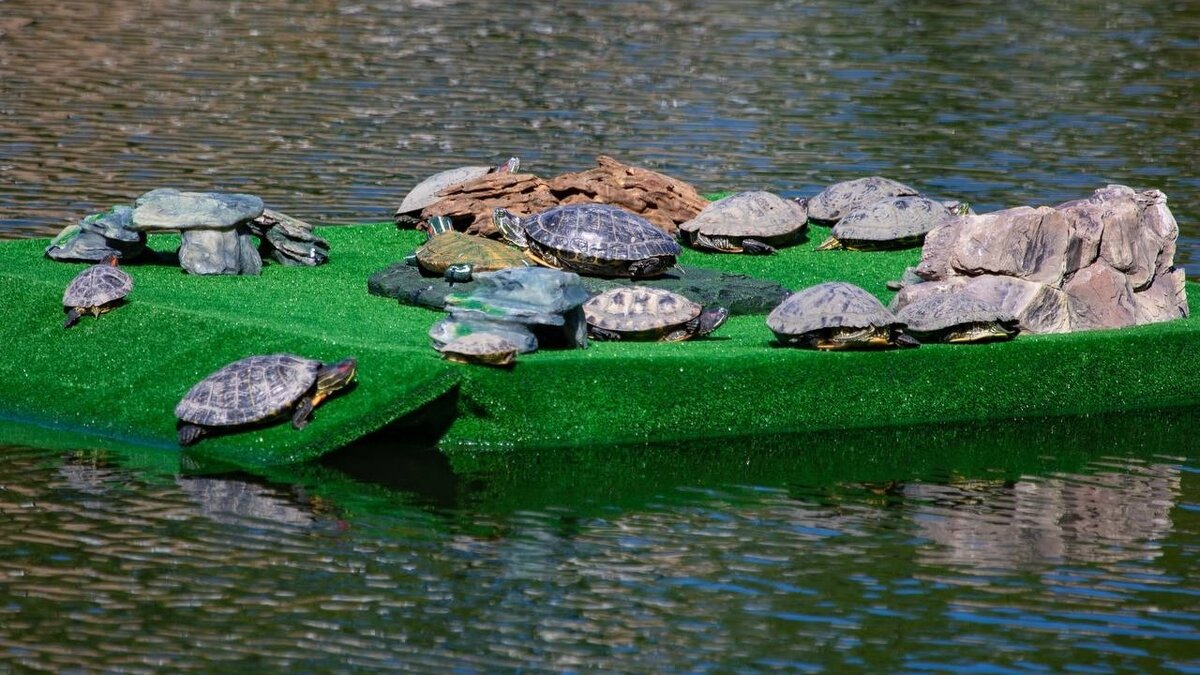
x: 893, y: 219
x: 483, y: 347
x: 456, y: 248
x: 749, y: 214
x: 835, y: 304
x: 96, y: 286
x: 939, y: 311
x: 839, y: 199
x: 598, y: 231
x: 639, y: 309
x: 254, y: 389
x: 426, y: 192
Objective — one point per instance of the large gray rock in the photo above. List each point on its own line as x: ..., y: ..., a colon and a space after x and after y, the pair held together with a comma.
x: 1099, y: 297
x: 228, y: 251
x: 171, y: 209
x: 98, y: 236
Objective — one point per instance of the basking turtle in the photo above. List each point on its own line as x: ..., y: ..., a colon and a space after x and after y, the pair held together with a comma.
x: 957, y: 317
x: 893, y: 222
x: 643, y: 313
x: 425, y: 193
x: 96, y: 290
x: 260, y: 389
x: 747, y: 222
x: 836, y: 315
x: 596, y: 239
x: 457, y: 255
x: 489, y: 349
x: 839, y: 199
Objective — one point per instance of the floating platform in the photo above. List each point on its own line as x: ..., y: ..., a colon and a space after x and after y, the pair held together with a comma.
x: 114, y: 381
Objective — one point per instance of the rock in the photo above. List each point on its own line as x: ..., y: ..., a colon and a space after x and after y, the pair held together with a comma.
x: 1099, y: 296
x: 452, y: 328
x: 470, y: 205
x: 1024, y: 242
x: 171, y: 209
x: 227, y: 251
x: 1039, y: 308
x: 98, y: 236
x: 74, y: 244
x: 535, y: 296
x: 289, y: 240
x: 1164, y: 300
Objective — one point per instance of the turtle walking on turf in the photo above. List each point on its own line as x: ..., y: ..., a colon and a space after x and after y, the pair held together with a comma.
x: 957, y: 317
x: 260, y: 389
x: 644, y: 313
x: 96, y: 290
x: 836, y: 315
x: 457, y: 255
x: 747, y: 222
x: 489, y: 349
x: 894, y: 222
x: 595, y: 239
x: 836, y: 201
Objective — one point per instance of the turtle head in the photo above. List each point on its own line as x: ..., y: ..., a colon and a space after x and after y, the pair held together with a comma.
x: 957, y: 208
x: 711, y: 319
x: 510, y: 226
x: 436, y: 225
x: 334, y: 376
x: 111, y: 259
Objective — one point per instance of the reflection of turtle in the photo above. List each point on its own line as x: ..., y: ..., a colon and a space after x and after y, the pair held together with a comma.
x: 956, y: 317
x: 425, y: 193
x: 488, y: 349
x: 457, y: 255
x: 836, y: 315
x: 839, y: 199
x: 643, y: 313
x: 260, y: 389
x: 894, y: 222
x: 747, y: 222
x: 594, y: 239
x: 95, y: 291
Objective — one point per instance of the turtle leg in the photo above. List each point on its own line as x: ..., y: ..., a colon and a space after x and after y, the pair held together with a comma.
x: 73, y: 315
x: 303, y: 413
x: 603, y: 334
x: 189, y: 433
x: 756, y: 247
x: 717, y: 243
x: 650, y: 267
x: 831, y: 244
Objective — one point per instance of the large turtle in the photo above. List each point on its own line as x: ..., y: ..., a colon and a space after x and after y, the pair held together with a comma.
x: 489, y: 349
x: 893, y: 222
x: 957, y: 317
x: 839, y: 199
x: 644, y: 313
x: 96, y: 290
x: 747, y: 222
x: 425, y: 193
x: 596, y: 239
x: 836, y: 315
x: 260, y: 389
x: 457, y: 255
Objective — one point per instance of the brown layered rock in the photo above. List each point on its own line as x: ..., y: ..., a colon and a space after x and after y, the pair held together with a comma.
x: 1101, y: 262
x: 470, y: 205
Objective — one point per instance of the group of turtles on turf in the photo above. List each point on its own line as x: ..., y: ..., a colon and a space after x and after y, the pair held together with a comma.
x: 869, y: 213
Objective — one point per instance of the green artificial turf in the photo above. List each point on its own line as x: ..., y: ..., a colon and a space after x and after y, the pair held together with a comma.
x: 115, y: 380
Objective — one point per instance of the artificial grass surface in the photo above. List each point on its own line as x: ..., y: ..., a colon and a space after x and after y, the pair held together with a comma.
x: 116, y: 379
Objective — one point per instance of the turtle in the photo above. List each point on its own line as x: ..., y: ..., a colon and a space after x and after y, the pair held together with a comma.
x: 893, y: 222
x: 425, y: 193
x: 260, y: 389
x: 839, y: 199
x: 957, y: 317
x: 96, y: 290
x: 747, y: 222
x: 457, y: 255
x: 644, y: 313
x: 596, y: 239
x: 836, y: 315
x: 490, y: 349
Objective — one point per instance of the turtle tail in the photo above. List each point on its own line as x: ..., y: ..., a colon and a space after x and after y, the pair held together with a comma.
x: 73, y: 315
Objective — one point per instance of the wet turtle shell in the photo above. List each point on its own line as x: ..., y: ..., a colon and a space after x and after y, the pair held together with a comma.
x: 458, y: 248
x: 893, y: 222
x: 741, y: 221
x: 254, y: 389
x: 644, y: 313
x: 485, y: 348
x: 956, y: 317
x: 96, y: 290
x: 597, y: 239
x: 839, y: 199
x: 426, y: 192
x: 835, y: 315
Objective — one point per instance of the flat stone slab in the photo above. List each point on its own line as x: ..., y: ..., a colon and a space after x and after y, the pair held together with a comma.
x: 738, y: 293
x: 171, y: 209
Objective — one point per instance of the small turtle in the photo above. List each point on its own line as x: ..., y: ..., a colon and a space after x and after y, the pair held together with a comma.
x: 643, y: 313
x: 836, y: 315
x: 957, y: 317
x: 839, y: 199
x: 457, y: 255
x: 893, y: 222
x: 425, y: 193
x: 747, y: 222
x: 596, y: 239
x: 489, y: 349
x: 259, y: 389
x: 96, y: 290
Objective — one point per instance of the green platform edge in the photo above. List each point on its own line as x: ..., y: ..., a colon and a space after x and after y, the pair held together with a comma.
x: 113, y: 382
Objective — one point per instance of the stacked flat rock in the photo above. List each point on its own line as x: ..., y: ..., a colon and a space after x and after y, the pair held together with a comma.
x: 99, y: 236
x: 519, y: 303
x: 214, y: 226
x: 1102, y: 262
x: 288, y: 240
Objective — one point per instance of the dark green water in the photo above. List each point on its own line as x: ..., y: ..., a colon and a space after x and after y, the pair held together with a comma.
x: 1047, y: 545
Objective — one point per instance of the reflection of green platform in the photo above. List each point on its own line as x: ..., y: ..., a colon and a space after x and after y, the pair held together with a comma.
x: 116, y: 380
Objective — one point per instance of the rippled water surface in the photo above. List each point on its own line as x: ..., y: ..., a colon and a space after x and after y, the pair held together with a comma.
x: 1047, y: 545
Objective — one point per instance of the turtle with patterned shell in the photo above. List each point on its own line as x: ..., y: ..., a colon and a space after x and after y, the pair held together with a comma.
x: 96, y: 290
x: 457, y: 255
x: 754, y: 222
x: 644, y: 313
x: 835, y: 316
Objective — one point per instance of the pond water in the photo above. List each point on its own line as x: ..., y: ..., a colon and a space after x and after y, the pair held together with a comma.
x: 1047, y: 545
